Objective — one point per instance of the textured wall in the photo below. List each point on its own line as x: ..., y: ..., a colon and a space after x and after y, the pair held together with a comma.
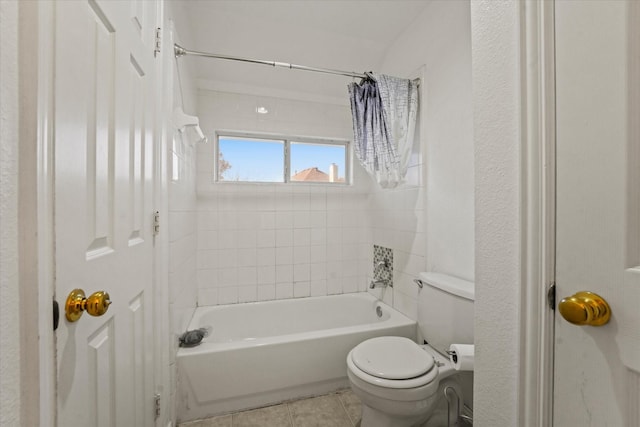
x: 496, y: 102
x: 9, y: 319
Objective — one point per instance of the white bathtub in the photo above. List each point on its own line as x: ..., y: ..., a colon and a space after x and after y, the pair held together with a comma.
x: 267, y: 352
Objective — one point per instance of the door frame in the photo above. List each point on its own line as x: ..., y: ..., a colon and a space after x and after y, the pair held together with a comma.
x: 537, y: 73
x: 43, y: 378
x: 163, y: 345
x: 538, y: 207
x: 44, y: 13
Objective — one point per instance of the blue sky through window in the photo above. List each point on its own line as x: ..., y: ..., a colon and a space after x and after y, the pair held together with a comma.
x: 252, y: 159
x: 262, y: 160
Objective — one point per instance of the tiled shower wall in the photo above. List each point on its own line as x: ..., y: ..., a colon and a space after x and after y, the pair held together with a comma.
x: 273, y: 241
x: 182, y: 203
x: 182, y: 210
x: 269, y: 241
x: 182, y: 234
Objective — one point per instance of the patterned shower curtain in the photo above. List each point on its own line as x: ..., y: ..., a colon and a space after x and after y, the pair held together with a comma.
x: 384, y: 110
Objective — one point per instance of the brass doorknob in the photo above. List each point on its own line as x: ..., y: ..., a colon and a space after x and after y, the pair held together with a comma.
x: 585, y: 308
x: 96, y: 305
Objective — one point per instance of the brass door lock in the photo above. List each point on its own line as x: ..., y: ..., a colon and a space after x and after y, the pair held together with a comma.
x: 96, y: 305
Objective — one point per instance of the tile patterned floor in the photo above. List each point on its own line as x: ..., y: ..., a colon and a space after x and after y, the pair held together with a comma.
x: 339, y: 409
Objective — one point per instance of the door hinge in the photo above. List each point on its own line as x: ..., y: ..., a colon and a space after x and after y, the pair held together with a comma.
x: 158, y: 44
x: 156, y: 223
x: 551, y: 296
x: 156, y: 400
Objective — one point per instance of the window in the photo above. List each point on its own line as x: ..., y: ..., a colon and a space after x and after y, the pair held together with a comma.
x: 251, y: 158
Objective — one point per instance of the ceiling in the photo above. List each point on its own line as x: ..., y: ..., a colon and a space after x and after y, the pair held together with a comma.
x: 350, y: 35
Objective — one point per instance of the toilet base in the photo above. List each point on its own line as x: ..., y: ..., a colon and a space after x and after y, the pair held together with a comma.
x: 374, y: 418
x: 430, y: 412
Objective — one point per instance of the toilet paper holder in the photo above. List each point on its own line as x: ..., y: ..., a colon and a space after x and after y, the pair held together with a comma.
x: 461, y: 356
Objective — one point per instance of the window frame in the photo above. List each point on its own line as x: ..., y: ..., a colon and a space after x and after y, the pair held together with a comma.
x: 286, y: 140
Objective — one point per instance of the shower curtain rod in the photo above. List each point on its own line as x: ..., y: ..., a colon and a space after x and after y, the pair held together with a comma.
x: 180, y: 51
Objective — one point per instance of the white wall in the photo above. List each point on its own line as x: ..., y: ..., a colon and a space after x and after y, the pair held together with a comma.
x: 430, y: 222
x: 9, y: 290
x: 274, y: 241
x: 497, y: 107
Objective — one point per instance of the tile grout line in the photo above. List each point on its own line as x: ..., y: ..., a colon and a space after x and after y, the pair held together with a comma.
x: 345, y: 409
x: 290, y: 415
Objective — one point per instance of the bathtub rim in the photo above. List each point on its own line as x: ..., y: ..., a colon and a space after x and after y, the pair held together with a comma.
x: 396, y: 318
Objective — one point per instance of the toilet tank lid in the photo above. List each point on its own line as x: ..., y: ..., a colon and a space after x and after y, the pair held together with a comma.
x: 453, y: 285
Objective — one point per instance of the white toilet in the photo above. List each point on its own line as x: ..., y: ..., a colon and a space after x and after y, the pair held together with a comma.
x: 401, y: 383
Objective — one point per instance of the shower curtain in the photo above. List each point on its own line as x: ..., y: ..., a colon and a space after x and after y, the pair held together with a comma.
x: 384, y: 110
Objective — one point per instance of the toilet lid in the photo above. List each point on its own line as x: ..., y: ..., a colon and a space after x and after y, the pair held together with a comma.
x: 392, y: 358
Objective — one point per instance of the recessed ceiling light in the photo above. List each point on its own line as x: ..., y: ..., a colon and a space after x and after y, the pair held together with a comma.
x: 261, y: 110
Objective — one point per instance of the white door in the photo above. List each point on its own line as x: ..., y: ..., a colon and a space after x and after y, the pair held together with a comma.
x: 597, y: 368
x: 104, y: 118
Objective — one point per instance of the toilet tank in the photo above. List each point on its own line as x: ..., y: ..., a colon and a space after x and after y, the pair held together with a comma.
x: 445, y: 310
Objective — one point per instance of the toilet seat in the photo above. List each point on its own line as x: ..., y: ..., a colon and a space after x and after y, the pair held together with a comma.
x: 392, y: 362
x: 391, y: 358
